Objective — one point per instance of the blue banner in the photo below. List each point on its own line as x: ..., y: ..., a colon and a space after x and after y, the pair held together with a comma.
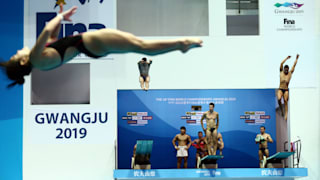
x: 212, y: 173
x: 158, y: 115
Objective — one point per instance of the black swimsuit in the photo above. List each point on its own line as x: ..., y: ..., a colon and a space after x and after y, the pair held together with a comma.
x: 284, y: 90
x: 263, y: 150
x: 144, y: 69
x: 76, y: 41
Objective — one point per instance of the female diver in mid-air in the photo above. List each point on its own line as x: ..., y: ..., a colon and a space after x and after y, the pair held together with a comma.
x: 49, y: 52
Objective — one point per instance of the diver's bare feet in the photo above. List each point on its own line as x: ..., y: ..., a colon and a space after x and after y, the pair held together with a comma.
x: 190, y: 43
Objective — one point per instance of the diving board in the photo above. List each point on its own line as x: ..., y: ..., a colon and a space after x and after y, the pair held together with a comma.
x: 280, y: 155
x: 276, y: 159
x: 209, y: 161
x: 212, y: 157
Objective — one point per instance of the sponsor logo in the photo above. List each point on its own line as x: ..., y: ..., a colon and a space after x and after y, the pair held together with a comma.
x: 260, y: 121
x: 289, y: 5
x: 137, y: 118
x: 289, y: 22
x: 142, y: 113
x: 142, y: 122
x: 265, y: 117
x: 289, y: 25
x: 147, y: 118
x: 196, y: 117
x: 270, y: 172
x: 199, y: 113
x: 185, y: 117
x: 191, y: 121
x: 250, y: 121
x: 254, y: 117
x: 288, y: 9
x: 209, y: 172
x: 132, y: 122
x: 260, y: 113
x: 144, y: 173
x: 249, y: 113
x: 126, y: 118
x: 244, y: 116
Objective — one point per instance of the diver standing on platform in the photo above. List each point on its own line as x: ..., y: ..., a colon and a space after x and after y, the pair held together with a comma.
x: 211, y: 130
x: 200, y: 145
x: 262, y: 139
x: 184, y: 143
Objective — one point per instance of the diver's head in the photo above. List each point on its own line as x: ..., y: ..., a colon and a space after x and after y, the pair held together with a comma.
x: 18, y: 66
x: 144, y: 59
x: 286, y: 69
x: 183, y: 130
x: 200, y: 134
x: 262, y: 129
x: 211, y: 107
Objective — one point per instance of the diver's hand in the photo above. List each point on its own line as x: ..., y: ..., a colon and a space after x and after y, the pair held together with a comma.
x: 67, y: 14
x: 61, y: 8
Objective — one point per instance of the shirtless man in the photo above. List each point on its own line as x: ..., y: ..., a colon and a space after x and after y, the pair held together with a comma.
x: 144, y: 78
x: 262, y: 139
x: 201, y: 146
x: 211, y: 131
x: 220, y: 143
x: 285, y: 77
x: 184, y: 143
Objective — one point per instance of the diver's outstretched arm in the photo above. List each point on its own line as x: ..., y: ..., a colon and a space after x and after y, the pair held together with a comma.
x: 295, y: 63
x: 281, y: 66
x: 49, y: 29
x: 55, y: 33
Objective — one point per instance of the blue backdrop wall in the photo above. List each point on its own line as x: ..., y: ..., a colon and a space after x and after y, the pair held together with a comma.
x: 158, y: 115
x: 11, y: 35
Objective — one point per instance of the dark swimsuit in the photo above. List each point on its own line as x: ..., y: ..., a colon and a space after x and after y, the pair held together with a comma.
x: 284, y: 90
x: 76, y: 41
x: 263, y: 150
x: 144, y: 69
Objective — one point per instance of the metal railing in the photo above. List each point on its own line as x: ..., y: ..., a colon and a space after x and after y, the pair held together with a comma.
x: 295, y: 146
